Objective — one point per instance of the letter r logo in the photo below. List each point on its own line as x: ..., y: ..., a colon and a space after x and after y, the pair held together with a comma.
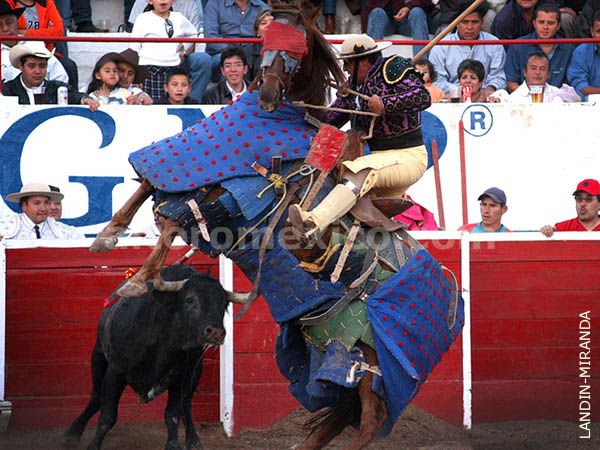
x: 478, y: 120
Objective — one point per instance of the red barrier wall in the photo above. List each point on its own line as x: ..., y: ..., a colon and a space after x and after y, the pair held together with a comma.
x: 54, y: 300
x: 526, y: 300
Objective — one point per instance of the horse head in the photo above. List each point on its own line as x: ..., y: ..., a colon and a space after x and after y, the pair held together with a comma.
x: 297, y: 61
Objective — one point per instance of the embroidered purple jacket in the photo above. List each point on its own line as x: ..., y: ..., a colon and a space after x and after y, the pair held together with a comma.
x: 404, y: 96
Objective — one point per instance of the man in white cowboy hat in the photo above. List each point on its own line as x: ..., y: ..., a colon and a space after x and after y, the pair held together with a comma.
x: 31, y: 85
x: 34, y: 222
x: 391, y: 87
x: 9, y: 26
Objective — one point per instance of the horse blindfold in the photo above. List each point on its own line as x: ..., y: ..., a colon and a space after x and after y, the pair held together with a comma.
x: 283, y: 37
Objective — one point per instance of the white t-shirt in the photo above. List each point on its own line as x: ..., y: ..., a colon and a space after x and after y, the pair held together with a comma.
x: 151, y: 25
x: 188, y: 8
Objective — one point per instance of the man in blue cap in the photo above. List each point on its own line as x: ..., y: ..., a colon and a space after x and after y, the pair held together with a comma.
x: 492, y: 206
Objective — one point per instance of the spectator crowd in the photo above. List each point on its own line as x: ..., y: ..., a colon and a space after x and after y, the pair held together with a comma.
x: 172, y: 72
x: 493, y: 73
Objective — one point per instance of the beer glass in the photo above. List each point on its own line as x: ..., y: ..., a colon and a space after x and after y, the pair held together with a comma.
x: 537, y: 93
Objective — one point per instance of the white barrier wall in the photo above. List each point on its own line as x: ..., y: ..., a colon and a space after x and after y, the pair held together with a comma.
x: 536, y: 153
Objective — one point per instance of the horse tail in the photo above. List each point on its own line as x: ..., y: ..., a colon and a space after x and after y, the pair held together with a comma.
x: 346, y: 412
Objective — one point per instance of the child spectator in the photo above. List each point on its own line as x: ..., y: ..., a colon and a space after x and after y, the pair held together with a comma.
x: 104, y: 86
x: 426, y: 69
x: 131, y: 76
x: 161, y: 21
x: 189, y: 8
x: 177, y: 89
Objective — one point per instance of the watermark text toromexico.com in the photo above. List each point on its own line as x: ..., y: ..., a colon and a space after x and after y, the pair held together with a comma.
x: 585, y: 367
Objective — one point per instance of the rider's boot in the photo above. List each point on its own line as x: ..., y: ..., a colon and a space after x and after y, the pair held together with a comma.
x: 338, y: 202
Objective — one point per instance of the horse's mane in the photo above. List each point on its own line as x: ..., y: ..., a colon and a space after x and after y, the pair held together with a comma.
x: 320, y: 68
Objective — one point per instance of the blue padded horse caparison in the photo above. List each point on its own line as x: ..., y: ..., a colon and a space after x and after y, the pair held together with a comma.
x: 224, y: 145
x: 407, y: 313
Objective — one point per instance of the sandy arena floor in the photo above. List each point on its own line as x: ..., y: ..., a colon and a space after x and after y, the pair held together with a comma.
x: 416, y: 430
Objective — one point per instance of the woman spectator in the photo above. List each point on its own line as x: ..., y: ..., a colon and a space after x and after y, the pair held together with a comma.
x: 262, y: 21
x: 471, y: 74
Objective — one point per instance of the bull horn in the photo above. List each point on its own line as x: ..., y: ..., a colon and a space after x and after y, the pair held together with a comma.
x: 238, y: 297
x: 169, y: 286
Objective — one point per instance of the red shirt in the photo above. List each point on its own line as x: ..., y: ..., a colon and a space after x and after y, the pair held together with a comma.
x: 573, y: 225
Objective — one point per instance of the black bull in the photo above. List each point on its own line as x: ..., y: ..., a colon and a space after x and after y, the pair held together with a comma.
x: 155, y: 343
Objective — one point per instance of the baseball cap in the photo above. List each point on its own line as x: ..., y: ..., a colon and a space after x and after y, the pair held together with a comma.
x: 495, y: 194
x: 588, y: 185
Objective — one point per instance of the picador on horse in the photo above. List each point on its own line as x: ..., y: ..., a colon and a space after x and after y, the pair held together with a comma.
x: 365, y: 312
x: 392, y: 88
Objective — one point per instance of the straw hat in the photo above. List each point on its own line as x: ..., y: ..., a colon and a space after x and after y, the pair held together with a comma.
x: 33, y: 189
x: 33, y: 48
x: 359, y: 45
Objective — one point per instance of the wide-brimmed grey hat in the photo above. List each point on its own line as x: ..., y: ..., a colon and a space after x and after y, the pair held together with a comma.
x: 359, y: 45
x: 33, y: 189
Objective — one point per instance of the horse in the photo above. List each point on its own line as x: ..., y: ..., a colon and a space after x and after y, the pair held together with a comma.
x: 225, y: 185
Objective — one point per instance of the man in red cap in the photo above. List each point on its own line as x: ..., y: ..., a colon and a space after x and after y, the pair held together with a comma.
x: 587, y: 205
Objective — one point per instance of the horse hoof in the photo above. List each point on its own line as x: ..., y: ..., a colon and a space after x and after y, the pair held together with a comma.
x: 132, y: 290
x: 104, y: 244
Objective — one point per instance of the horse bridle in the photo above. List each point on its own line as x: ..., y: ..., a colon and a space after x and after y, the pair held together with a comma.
x: 287, y: 60
x: 264, y: 74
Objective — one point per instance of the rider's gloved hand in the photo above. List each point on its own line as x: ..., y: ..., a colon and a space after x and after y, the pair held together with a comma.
x: 376, y: 104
